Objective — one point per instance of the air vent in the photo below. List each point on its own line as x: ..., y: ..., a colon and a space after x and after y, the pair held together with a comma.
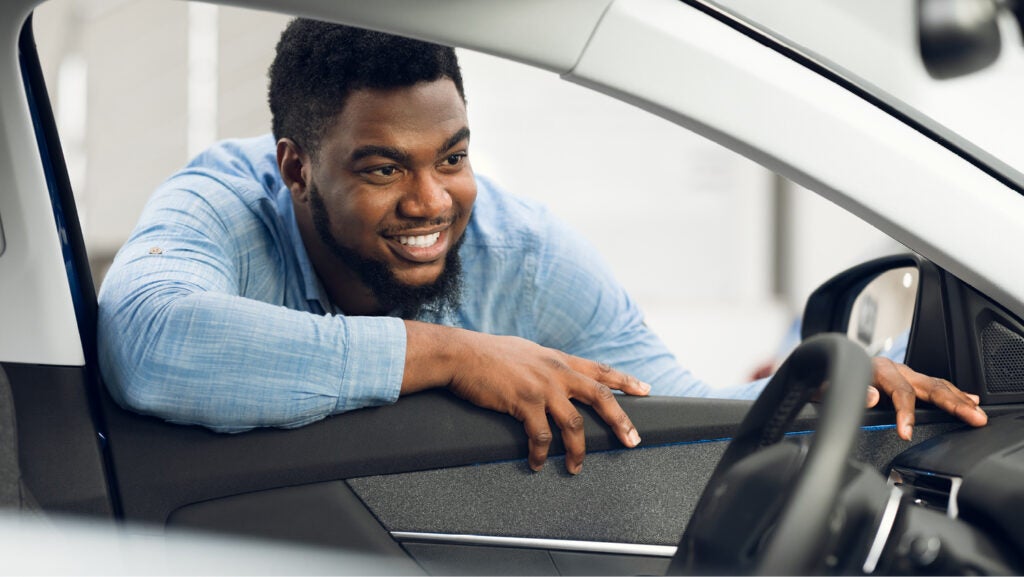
x: 928, y: 489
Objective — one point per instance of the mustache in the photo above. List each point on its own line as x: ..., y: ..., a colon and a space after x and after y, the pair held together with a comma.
x: 398, y: 229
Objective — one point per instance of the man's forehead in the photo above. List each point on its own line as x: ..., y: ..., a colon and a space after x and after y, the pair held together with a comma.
x: 426, y: 114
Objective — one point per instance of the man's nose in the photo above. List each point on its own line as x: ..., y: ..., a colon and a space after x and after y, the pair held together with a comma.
x: 427, y: 197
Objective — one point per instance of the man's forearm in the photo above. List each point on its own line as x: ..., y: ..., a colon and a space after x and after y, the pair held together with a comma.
x: 231, y: 363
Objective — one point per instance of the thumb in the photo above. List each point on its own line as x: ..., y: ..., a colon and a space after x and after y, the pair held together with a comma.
x: 873, y: 397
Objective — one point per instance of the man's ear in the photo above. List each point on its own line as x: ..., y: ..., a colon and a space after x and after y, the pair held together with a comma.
x: 294, y: 166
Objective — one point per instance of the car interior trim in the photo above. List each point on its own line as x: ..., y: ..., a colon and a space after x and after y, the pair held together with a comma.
x: 912, y: 478
x: 39, y: 317
x: 535, y: 543
x: 884, y: 529
x: 954, y: 489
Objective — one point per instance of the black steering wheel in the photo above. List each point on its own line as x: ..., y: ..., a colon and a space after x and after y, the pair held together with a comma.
x: 768, y: 506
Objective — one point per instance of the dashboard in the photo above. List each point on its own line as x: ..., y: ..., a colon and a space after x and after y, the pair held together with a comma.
x: 966, y: 507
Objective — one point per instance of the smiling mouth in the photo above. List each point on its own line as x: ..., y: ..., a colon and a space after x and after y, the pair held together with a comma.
x: 420, y: 248
x: 421, y: 241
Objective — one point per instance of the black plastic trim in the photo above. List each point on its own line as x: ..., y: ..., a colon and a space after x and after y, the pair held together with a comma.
x: 69, y: 231
x: 969, y: 312
x: 322, y: 514
x: 59, y: 453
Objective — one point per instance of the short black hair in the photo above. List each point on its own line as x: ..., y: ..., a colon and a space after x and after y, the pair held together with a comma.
x: 318, y: 64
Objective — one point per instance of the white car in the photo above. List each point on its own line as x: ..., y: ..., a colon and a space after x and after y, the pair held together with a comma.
x: 441, y: 483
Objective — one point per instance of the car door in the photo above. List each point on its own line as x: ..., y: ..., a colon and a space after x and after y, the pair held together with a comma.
x: 430, y: 477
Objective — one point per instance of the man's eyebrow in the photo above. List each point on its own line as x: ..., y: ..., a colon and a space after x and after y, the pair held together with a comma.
x: 377, y: 150
x: 462, y: 134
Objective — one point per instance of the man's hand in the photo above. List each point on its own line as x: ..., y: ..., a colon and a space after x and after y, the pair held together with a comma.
x: 905, y: 386
x: 521, y: 378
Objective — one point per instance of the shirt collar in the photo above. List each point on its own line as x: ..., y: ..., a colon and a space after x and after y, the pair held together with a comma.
x: 313, y: 288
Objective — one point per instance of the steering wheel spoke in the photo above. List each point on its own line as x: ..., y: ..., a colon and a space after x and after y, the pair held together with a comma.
x: 770, y: 505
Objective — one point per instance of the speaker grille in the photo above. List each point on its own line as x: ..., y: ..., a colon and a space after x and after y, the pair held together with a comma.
x: 1003, y: 354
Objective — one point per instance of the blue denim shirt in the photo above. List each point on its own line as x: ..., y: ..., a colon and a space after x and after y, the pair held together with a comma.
x: 212, y: 313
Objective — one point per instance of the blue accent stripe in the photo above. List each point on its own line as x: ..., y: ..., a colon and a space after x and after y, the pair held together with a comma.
x: 866, y: 428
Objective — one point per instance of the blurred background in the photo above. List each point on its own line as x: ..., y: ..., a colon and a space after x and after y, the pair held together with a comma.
x: 719, y: 252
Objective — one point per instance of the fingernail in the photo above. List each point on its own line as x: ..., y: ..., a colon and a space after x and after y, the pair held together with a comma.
x: 980, y: 410
x: 536, y: 469
x: 576, y: 470
x: 645, y: 388
x: 634, y: 438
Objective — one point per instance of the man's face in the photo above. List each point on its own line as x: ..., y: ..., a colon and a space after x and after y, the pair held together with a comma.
x: 391, y: 191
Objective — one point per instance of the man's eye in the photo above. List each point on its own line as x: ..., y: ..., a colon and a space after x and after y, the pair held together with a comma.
x: 455, y: 159
x: 383, y: 171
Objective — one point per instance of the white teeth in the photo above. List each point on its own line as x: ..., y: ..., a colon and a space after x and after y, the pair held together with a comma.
x: 420, y: 241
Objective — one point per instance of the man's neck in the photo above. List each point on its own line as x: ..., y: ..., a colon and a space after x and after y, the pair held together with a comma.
x: 343, y: 286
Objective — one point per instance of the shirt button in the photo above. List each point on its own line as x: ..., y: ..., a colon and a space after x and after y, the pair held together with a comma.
x: 156, y: 250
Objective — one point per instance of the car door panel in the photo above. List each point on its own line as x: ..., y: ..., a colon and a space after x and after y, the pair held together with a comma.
x: 324, y: 514
x: 55, y: 426
x: 157, y: 463
x: 642, y: 496
x: 435, y: 464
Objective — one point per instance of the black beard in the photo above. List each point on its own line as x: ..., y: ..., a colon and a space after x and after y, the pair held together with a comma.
x: 441, y: 296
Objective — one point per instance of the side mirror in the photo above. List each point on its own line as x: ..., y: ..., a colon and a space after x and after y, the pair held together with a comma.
x: 882, y: 304
x: 958, y: 37
x: 951, y: 330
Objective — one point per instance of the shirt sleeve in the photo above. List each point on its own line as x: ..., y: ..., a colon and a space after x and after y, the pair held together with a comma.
x: 581, y: 309
x: 178, y: 340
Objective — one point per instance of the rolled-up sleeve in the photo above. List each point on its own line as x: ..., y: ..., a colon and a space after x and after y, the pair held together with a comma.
x: 193, y: 328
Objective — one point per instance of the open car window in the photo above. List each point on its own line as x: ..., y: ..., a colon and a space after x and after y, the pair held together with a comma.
x: 715, y: 249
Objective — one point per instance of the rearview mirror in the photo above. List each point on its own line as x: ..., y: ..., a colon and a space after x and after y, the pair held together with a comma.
x: 957, y: 37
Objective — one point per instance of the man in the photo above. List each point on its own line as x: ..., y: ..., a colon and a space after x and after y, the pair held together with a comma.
x: 354, y: 257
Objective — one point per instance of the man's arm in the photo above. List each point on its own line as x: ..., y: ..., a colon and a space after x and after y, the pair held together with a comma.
x: 577, y: 290
x: 187, y: 331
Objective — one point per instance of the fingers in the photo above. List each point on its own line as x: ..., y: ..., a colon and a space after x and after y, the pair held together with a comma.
x: 570, y: 422
x: 946, y: 396
x: 904, y: 397
x: 873, y: 397
x: 538, y: 434
x: 609, y: 377
x: 531, y: 383
x: 905, y: 385
x: 601, y: 398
